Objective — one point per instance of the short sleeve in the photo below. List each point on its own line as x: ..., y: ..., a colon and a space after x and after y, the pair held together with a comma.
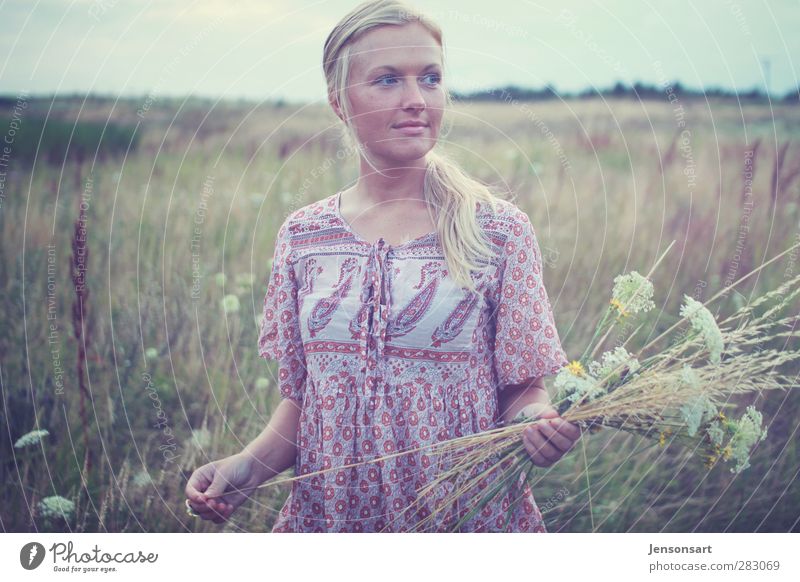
x: 526, y: 342
x: 279, y: 338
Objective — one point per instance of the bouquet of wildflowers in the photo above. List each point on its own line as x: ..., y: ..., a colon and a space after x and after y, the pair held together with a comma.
x: 675, y: 395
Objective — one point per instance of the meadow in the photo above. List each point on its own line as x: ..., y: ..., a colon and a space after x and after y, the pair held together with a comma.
x: 135, y: 253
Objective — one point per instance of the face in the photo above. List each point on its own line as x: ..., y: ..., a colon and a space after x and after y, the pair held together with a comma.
x: 396, y: 78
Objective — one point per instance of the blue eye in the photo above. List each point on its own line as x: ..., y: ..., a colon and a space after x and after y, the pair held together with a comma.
x: 436, y: 80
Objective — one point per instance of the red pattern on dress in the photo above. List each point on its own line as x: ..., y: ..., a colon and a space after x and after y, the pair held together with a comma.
x: 384, y: 352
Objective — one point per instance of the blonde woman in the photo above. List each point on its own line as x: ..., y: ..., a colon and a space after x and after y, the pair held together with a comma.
x: 406, y: 309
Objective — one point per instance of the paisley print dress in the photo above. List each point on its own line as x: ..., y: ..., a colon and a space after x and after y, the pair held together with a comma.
x: 384, y: 352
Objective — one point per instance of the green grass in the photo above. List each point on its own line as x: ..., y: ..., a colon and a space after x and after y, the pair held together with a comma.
x: 602, y: 219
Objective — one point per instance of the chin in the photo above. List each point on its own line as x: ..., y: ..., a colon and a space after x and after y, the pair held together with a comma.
x: 408, y: 152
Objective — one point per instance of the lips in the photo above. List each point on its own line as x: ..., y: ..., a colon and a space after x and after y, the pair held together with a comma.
x: 411, y: 124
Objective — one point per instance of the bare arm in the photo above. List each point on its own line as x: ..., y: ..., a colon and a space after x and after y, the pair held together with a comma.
x: 275, y: 449
x: 514, y: 397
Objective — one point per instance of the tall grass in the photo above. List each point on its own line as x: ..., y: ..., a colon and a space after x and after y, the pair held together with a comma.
x: 162, y: 363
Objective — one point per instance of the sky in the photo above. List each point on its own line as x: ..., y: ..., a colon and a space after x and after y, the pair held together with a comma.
x: 271, y: 49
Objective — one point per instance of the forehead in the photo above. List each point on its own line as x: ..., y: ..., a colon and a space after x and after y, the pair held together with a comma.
x: 411, y: 46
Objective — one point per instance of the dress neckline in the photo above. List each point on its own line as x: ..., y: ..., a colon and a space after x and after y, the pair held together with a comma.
x: 362, y: 240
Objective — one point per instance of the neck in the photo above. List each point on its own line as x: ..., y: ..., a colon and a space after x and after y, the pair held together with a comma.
x: 403, y: 182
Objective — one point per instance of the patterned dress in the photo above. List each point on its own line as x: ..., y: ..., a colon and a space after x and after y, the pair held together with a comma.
x: 385, y: 352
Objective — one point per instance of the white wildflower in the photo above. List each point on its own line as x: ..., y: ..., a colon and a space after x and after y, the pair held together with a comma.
x: 696, y: 411
x: 220, y: 279
x: 31, y: 438
x: 703, y: 322
x: 689, y: 376
x: 151, y: 353
x: 614, y: 360
x: 262, y: 383
x: 55, y: 506
x: 574, y: 387
x: 230, y: 304
x: 633, y: 292
x: 715, y: 432
x: 748, y: 433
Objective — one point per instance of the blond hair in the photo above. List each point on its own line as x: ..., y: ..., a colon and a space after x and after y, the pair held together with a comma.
x: 447, y: 188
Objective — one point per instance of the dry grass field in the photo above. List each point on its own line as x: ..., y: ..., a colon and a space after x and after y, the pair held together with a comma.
x: 146, y: 373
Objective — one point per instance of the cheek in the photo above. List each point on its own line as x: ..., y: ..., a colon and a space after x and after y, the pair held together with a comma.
x: 436, y: 121
x: 372, y: 116
x: 436, y: 107
x: 437, y: 100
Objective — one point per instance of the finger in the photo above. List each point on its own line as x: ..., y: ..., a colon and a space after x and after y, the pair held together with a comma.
x: 217, y: 488
x: 197, y: 483
x: 202, y: 510
x: 227, y: 504
x: 219, y: 512
x: 211, y: 509
x: 232, y: 500
x: 535, y: 450
x: 236, y: 496
x: 207, y: 514
x: 555, y: 438
x: 227, y: 510
x: 570, y: 430
x: 549, y: 413
x: 538, y: 458
x: 534, y: 453
x: 547, y: 450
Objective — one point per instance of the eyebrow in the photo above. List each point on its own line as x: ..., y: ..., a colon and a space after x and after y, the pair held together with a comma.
x: 395, y: 70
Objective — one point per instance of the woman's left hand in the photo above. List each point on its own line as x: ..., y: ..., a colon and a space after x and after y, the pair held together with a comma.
x: 549, y: 440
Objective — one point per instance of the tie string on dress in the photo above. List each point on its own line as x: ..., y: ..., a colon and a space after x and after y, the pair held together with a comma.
x: 379, y: 313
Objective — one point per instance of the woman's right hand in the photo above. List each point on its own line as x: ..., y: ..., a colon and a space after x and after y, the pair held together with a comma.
x: 235, y: 472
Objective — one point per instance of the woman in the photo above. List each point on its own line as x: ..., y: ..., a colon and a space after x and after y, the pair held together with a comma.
x: 405, y: 310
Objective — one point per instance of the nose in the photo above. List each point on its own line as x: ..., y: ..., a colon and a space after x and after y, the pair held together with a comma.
x: 412, y: 96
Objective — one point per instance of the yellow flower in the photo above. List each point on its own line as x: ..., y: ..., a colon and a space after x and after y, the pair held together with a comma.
x: 576, y: 368
x: 723, y: 419
x: 662, y: 439
x: 710, y: 460
x: 726, y: 453
x: 616, y: 303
